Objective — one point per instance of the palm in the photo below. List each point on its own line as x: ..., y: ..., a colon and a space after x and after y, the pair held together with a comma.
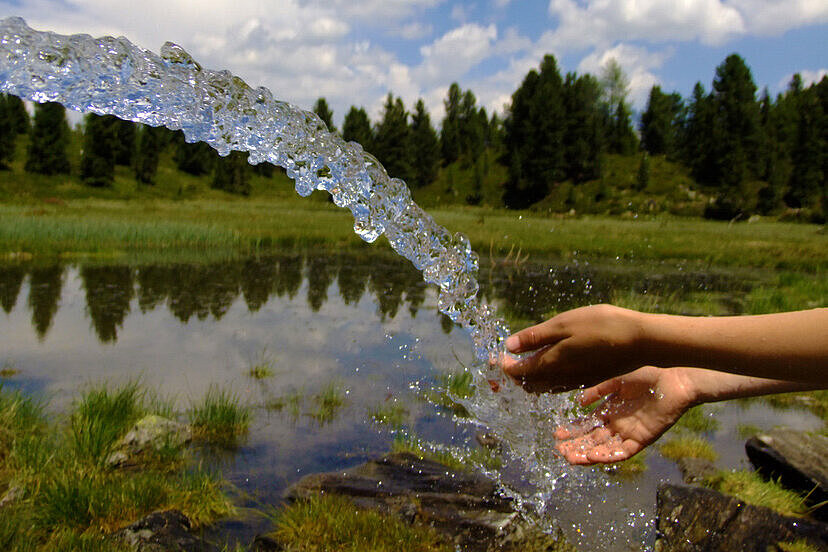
x: 639, y: 407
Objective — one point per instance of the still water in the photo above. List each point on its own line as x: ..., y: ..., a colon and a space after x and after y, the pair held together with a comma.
x: 363, y: 324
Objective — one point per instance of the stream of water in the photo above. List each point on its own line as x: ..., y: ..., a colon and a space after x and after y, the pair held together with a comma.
x: 112, y: 76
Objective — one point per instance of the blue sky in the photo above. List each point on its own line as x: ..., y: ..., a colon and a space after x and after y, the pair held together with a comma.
x: 354, y: 52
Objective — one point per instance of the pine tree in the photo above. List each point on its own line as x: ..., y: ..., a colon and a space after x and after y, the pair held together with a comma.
x: 124, y: 144
x: 534, y: 140
x: 810, y: 148
x: 195, y: 159
x: 231, y: 174
x: 49, y: 138
x: 472, y: 128
x: 621, y: 138
x: 450, y: 138
x: 357, y: 128
x: 392, y: 139
x: 659, y: 122
x: 151, y: 140
x: 17, y: 114
x: 584, y: 137
x: 735, y: 138
x: 7, y: 134
x: 321, y: 108
x: 697, y: 135
x: 98, y: 157
x: 425, y: 147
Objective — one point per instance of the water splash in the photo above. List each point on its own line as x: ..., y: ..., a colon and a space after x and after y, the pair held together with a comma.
x: 112, y: 76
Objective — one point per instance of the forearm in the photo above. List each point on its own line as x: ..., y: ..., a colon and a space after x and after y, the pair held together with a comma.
x: 704, y: 386
x: 786, y: 346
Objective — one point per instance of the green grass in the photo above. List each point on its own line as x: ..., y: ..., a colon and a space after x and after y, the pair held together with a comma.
x: 797, y: 546
x: 456, y: 458
x: 753, y: 489
x: 330, y: 522
x: 688, y: 447
x: 68, y: 498
x: 746, y: 431
x: 631, y: 467
x: 698, y: 420
x: 328, y: 403
x: 450, y: 387
x: 392, y: 414
x: 264, y: 367
x: 219, y: 419
x: 8, y: 370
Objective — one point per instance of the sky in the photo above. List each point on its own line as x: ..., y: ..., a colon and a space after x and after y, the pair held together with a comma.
x: 353, y: 52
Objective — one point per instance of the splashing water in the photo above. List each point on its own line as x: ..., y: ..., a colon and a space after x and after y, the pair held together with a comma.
x: 112, y: 76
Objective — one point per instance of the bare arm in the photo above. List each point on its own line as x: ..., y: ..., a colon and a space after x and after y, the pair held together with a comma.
x: 592, y: 344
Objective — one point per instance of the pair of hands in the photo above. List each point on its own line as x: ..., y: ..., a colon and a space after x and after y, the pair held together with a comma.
x: 599, y: 346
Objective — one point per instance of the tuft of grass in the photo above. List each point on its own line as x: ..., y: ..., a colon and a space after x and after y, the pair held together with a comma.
x: 8, y: 370
x: 628, y: 468
x: 750, y: 487
x: 698, y: 420
x: 263, y: 367
x: 330, y: 522
x: 746, y: 431
x: 19, y: 416
x: 102, y: 416
x: 797, y: 546
x: 456, y: 458
x: 220, y: 419
x: 688, y: 447
x: 391, y: 414
x: 328, y: 403
x: 450, y: 387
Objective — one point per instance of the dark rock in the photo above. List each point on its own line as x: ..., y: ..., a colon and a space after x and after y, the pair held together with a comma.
x: 694, y: 519
x: 797, y: 458
x: 488, y: 440
x: 466, y: 507
x: 695, y: 470
x: 263, y: 543
x: 167, y: 531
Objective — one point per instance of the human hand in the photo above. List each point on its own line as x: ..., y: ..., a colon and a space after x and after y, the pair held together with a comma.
x: 580, y: 347
x: 639, y: 407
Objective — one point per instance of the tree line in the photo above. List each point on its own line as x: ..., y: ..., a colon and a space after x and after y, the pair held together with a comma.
x: 750, y: 154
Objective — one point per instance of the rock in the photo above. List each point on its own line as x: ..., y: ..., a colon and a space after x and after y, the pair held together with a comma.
x: 167, y: 531
x: 488, y: 440
x: 695, y: 470
x: 150, y: 433
x: 466, y: 507
x: 694, y: 519
x: 798, y: 458
x: 263, y: 543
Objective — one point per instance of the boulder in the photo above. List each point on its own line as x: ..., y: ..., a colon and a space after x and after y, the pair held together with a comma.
x: 150, y: 433
x: 167, y: 531
x: 695, y: 519
x: 466, y: 507
x: 798, y: 458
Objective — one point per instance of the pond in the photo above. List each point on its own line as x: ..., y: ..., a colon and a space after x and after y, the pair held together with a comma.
x: 362, y: 327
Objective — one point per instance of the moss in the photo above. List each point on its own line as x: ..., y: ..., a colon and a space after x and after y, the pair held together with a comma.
x: 330, y: 522
x: 688, y: 447
x: 753, y: 489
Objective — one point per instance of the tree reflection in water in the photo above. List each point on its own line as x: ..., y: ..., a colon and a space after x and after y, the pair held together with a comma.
x: 526, y: 293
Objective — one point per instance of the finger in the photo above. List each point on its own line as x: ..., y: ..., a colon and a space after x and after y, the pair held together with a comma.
x: 529, y: 339
x: 592, y: 394
x: 576, y: 428
x: 616, y: 451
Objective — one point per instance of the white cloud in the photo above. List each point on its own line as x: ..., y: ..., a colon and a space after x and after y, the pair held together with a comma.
x: 774, y: 17
x: 412, y: 30
x: 605, y: 22
x: 809, y: 77
x: 461, y: 13
x: 638, y: 64
x: 455, y: 53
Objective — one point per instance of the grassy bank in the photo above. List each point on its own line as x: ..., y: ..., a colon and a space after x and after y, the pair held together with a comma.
x: 234, y: 227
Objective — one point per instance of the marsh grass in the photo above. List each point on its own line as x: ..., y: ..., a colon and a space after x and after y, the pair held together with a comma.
x: 68, y: 499
x: 450, y: 387
x: 688, y: 447
x: 746, y: 431
x: 8, y: 370
x: 698, y: 420
x: 631, y: 467
x: 392, y: 414
x: 330, y: 522
x: 263, y: 367
x: 753, y: 489
x: 328, y: 403
x: 219, y: 419
x: 457, y: 458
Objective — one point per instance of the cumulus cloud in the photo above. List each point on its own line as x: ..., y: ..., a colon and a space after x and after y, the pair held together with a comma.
x: 638, y: 64
x: 412, y: 30
x: 453, y: 54
x: 809, y: 77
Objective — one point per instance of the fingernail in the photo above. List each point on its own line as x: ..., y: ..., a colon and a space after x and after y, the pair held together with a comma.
x: 512, y: 343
